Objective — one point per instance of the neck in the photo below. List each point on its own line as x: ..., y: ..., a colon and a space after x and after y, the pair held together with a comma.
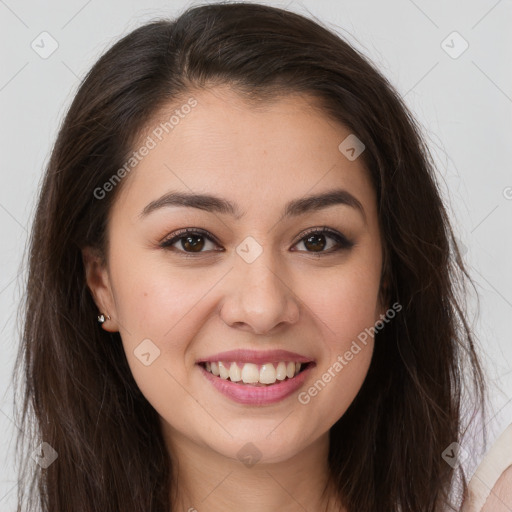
x: 206, y: 480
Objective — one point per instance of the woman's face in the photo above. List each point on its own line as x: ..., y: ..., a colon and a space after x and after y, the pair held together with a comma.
x: 261, y: 283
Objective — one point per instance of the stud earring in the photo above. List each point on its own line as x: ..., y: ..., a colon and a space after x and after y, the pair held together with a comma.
x: 101, y: 318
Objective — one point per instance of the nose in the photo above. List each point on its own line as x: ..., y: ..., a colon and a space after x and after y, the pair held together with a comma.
x: 258, y: 297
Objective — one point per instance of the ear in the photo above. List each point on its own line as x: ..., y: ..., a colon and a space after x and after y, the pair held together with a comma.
x: 98, y: 282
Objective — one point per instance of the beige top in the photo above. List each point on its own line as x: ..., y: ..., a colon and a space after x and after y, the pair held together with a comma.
x: 495, y: 462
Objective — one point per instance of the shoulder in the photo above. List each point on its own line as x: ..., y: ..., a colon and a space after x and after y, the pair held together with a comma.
x: 490, y: 488
x: 500, y: 497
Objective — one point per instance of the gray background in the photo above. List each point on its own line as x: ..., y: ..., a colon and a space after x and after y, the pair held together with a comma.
x: 463, y: 103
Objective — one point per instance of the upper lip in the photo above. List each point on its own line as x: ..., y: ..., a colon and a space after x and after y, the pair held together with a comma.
x: 256, y: 356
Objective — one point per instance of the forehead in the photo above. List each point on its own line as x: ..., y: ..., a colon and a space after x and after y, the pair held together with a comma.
x: 255, y: 154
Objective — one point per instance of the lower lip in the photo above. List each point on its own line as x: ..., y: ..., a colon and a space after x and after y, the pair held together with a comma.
x: 258, y: 395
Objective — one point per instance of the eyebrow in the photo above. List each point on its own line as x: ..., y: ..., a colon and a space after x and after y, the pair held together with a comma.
x: 214, y: 204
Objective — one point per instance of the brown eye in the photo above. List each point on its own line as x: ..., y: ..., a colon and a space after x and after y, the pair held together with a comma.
x: 188, y: 241
x: 317, y: 240
x: 194, y: 243
x: 191, y: 241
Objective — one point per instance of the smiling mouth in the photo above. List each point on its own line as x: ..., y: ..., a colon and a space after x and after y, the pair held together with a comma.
x: 257, y: 375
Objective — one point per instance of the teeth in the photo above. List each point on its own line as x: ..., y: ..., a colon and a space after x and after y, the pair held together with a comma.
x: 235, y: 374
x: 250, y: 373
x: 224, y: 372
x: 281, y: 371
x: 267, y: 374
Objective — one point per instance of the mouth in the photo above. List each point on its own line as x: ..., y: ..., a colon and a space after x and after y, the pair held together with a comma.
x: 257, y: 368
x: 256, y: 379
x: 253, y: 374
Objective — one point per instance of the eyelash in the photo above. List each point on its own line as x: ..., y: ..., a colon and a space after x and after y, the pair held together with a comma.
x: 342, y: 242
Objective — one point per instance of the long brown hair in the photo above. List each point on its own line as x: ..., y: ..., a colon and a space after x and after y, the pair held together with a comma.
x: 78, y: 394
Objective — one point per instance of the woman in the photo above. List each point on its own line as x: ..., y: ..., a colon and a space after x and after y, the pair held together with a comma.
x: 248, y: 209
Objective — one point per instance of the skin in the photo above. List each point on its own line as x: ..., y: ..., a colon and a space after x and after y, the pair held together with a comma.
x: 289, y: 298
x: 500, y: 498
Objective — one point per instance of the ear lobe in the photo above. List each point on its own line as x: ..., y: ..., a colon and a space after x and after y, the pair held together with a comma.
x: 98, y: 282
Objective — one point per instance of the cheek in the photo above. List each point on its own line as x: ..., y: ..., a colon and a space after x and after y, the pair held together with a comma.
x: 336, y: 384
x: 154, y: 306
x: 345, y: 306
x: 345, y: 316
x: 345, y: 300
x: 153, y: 298
x: 166, y: 305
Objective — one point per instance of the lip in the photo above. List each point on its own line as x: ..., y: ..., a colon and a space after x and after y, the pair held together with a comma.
x: 256, y: 395
x: 256, y: 357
